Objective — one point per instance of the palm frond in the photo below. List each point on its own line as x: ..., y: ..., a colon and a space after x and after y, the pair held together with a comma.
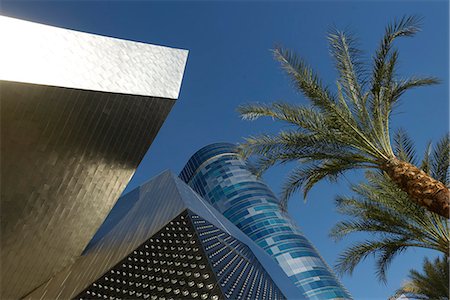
x: 306, y: 118
x: 383, y: 250
x: 285, y: 142
x: 258, y: 145
x: 431, y: 284
x: 348, y: 62
x: 384, y: 67
x: 305, y: 177
x: 404, y: 147
x: 335, y: 113
x: 384, y: 211
x: 387, y: 254
x: 305, y: 79
x: 292, y: 184
x: 425, y: 165
x: 399, y: 88
x: 405, y: 27
x: 440, y: 163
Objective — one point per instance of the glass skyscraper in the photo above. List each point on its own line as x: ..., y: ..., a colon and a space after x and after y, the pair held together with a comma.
x: 222, y: 178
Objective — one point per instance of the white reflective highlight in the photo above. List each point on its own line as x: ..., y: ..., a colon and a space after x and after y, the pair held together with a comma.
x: 42, y: 54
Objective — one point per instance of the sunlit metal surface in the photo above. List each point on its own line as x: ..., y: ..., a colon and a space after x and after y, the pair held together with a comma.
x: 41, y: 54
x: 139, y: 221
x: 69, y: 145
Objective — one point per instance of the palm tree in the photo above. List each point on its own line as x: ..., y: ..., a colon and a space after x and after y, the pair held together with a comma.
x: 432, y: 284
x: 348, y: 129
x: 384, y: 211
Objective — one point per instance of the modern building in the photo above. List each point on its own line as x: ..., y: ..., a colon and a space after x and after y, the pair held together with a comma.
x: 218, y: 174
x: 78, y: 113
x: 163, y: 241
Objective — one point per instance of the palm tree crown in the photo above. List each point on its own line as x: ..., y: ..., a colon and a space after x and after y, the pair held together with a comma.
x: 348, y: 129
x: 431, y: 284
x: 386, y: 213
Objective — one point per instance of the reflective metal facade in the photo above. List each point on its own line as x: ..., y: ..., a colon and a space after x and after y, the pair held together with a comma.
x: 71, y: 138
x: 219, y: 175
x: 47, y: 55
x: 166, y: 237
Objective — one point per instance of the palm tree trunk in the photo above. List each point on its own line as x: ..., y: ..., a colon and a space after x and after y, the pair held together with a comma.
x: 425, y: 190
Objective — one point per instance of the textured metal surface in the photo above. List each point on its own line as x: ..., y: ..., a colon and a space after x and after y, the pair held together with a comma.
x: 220, y: 175
x: 48, y: 55
x: 187, y: 259
x: 66, y: 156
x: 239, y: 273
x: 144, y: 212
x: 78, y: 113
x: 137, y: 225
x: 169, y: 265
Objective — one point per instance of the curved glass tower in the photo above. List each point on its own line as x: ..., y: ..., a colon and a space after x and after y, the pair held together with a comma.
x: 220, y: 176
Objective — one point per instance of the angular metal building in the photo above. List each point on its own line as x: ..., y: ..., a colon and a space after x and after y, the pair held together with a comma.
x: 163, y: 241
x: 78, y: 113
x: 218, y: 174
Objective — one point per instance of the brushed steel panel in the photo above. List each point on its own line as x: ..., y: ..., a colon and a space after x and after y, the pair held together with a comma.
x: 42, y: 54
x: 66, y: 156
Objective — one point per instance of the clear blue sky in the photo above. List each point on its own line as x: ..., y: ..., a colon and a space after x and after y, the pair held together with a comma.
x: 230, y: 63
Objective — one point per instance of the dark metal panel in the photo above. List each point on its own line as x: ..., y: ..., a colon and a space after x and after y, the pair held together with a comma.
x: 169, y: 265
x: 66, y: 156
x: 239, y: 273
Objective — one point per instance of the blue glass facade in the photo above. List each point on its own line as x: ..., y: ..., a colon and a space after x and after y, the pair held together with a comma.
x: 220, y: 176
